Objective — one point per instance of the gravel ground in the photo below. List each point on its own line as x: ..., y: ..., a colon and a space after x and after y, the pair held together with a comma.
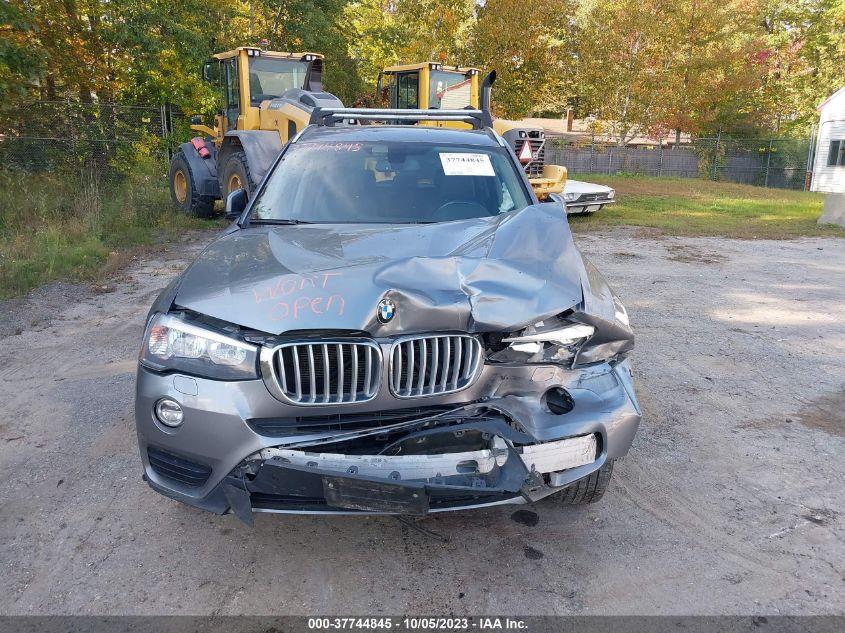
x: 731, y: 500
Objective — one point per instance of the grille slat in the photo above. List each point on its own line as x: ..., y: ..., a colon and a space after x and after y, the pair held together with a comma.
x: 324, y: 373
x: 340, y: 373
x: 311, y: 374
x: 353, y: 388
x: 367, y: 369
x: 326, y: 382
x: 435, y: 368
x: 298, y: 375
x: 423, y: 365
x: 423, y: 359
x: 459, y: 348
x: 444, y: 377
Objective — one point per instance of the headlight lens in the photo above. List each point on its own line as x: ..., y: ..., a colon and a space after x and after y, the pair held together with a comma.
x: 173, y: 344
x: 611, y: 194
x: 569, y: 197
x: 556, y: 342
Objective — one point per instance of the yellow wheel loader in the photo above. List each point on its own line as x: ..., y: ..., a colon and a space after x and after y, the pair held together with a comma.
x: 265, y: 98
x: 435, y: 86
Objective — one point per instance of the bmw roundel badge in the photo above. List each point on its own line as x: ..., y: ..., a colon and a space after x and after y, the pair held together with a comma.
x: 386, y: 310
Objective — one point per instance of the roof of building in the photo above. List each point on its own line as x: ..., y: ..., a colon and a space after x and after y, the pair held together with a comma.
x: 835, y: 96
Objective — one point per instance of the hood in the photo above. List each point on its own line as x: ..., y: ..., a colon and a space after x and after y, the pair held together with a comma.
x: 579, y: 187
x: 484, y: 274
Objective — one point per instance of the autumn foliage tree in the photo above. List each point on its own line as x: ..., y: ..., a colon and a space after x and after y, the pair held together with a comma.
x: 531, y: 47
x: 666, y: 66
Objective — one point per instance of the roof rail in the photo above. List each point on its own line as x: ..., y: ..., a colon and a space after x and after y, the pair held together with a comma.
x: 479, y: 119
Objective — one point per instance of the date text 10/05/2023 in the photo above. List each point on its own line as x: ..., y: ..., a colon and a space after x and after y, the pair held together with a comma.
x: 418, y: 623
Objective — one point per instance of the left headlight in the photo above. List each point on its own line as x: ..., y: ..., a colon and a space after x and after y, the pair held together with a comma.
x: 176, y: 345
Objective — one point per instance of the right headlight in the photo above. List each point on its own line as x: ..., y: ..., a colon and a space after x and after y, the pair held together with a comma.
x: 570, y: 197
x: 173, y: 344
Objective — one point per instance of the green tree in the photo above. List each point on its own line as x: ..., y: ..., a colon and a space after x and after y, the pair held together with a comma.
x: 803, y: 54
x: 530, y: 45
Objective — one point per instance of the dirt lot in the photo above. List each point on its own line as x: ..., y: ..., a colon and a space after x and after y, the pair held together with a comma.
x: 731, y: 500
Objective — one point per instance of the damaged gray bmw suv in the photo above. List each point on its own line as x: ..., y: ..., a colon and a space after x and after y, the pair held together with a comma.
x: 394, y: 324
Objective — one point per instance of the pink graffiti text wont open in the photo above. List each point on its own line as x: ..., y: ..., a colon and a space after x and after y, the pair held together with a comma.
x: 295, y: 296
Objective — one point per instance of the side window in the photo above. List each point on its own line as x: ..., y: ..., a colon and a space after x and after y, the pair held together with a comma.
x: 408, y: 88
x: 390, y: 92
x: 232, y: 93
x: 836, y: 154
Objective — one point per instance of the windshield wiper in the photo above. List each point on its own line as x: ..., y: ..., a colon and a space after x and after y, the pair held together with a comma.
x: 282, y: 221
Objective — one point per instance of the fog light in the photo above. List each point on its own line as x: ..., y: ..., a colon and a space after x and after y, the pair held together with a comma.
x: 169, y: 412
x: 558, y: 401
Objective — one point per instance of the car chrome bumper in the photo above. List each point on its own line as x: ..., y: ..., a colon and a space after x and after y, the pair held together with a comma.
x: 576, y: 207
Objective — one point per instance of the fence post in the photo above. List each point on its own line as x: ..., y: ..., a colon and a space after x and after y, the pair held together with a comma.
x: 808, y: 174
x: 592, y: 149
x: 768, y: 163
x: 609, y: 159
x: 660, y: 159
x: 716, y: 153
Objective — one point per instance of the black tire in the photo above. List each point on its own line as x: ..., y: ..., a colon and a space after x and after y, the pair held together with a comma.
x: 236, y: 170
x: 186, y: 199
x: 587, y: 490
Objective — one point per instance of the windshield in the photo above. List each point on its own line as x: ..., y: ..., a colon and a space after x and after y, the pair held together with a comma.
x: 390, y: 182
x: 448, y: 90
x: 269, y: 77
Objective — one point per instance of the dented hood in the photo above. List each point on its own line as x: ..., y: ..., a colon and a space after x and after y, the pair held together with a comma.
x: 483, y: 274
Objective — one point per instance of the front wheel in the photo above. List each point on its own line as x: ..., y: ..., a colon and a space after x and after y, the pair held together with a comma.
x: 587, y: 490
x: 236, y: 175
x: 183, y: 189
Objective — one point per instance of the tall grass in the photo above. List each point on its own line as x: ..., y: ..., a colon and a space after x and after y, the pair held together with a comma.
x: 67, y: 225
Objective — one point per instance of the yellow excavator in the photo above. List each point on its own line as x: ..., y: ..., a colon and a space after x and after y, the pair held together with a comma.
x: 265, y: 98
x: 436, y: 86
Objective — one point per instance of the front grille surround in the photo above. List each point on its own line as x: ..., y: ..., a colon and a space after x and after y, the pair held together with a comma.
x: 433, y: 364
x: 534, y: 169
x: 323, y: 372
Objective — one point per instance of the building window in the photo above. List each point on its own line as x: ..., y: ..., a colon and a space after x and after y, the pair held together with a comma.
x: 836, y: 155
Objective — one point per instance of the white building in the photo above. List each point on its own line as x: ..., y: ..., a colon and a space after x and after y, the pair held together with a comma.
x: 829, y: 161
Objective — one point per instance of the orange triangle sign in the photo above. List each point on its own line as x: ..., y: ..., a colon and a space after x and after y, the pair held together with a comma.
x: 525, y: 155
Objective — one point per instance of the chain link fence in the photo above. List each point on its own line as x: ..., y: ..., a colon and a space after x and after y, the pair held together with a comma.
x: 780, y: 163
x: 105, y: 141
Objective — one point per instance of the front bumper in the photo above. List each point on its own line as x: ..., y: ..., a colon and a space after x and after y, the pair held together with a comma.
x: 587, y: 206
x: 241, y: 450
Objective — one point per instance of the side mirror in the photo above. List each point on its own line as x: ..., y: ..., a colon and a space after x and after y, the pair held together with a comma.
x: 556, y: 198
x: 235, y: 204
x: 209, y: 70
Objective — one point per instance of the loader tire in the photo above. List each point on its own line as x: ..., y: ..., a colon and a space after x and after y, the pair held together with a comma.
x: 183, y: 189
x: 236, y: 175
x: 587, y: 490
